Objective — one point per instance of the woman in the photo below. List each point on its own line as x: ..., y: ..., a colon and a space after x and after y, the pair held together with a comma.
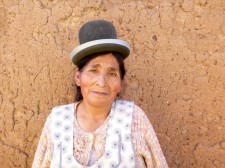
x: 98, y: 130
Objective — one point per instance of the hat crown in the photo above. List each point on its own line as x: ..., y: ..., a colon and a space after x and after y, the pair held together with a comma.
x: 96, y: 30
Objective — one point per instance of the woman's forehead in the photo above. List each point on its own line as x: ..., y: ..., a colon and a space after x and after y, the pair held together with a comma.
x: 107, y: 60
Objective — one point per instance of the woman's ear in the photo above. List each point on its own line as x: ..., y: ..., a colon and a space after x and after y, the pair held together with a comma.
x: 77, y: 77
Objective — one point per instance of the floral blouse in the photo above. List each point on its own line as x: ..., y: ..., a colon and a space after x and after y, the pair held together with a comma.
x: 89, y: 146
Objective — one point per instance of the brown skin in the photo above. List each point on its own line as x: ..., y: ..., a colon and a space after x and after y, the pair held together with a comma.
x: 100, y: 83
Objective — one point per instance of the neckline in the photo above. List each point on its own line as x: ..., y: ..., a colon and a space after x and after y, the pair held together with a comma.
x: 105, y: 124
x: 98, y: 130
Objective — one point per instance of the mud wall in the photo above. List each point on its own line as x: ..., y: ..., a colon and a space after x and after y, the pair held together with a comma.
x: 176, y: 71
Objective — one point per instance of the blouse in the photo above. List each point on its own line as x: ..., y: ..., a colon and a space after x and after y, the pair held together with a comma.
x: 89, y: 146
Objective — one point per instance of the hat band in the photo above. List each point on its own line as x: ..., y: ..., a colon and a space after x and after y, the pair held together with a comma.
x: 98, y: 42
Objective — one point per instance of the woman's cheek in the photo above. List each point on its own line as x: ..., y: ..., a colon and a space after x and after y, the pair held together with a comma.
x: 117, y: 86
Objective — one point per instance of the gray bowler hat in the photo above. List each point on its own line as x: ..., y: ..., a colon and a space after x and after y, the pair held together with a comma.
x: 98, y: 36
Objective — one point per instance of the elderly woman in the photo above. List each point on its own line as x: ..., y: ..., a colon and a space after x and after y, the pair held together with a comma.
x: 98, y: 130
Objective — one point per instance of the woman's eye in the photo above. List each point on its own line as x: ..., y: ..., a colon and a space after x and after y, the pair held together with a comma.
x: 113, y: 74
x: 93, y: 70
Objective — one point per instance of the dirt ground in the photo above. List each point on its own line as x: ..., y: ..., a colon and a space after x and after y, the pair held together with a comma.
x: 175, y: 73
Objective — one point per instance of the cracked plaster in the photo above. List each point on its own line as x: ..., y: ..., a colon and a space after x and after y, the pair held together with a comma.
x: 178, y: 77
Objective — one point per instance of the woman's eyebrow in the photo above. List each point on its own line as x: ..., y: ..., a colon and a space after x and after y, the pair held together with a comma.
x: 113, y: 69
x: 99, y: 65
x: 94, y: 66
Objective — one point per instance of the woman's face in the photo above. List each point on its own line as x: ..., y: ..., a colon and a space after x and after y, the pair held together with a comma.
x: 100, y: 80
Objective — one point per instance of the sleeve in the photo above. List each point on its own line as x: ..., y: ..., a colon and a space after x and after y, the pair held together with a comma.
x: 151, y: 150
x: 151, y: 139
x: 44, y: 150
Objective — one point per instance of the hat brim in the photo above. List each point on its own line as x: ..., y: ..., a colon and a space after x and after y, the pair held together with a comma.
x: 97, y: 46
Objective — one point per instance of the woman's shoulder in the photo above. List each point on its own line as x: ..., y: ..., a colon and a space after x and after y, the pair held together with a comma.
x: 63, y: 108
x: 138, y: 114
x: 62, y: 111
x: 140, y: 121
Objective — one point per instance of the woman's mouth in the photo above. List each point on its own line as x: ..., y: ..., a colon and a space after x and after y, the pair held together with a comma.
x: 100, y: 93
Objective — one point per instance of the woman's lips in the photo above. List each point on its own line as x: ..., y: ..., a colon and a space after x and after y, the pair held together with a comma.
x: 100, y: 93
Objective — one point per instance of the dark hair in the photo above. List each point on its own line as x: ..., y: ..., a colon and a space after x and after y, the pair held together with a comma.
x: 87, y: 59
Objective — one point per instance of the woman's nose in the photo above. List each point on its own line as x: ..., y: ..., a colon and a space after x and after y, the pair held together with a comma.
x: 101, y: 80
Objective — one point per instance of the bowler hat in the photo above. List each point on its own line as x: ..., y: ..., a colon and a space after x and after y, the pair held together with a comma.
x: 98, y: 36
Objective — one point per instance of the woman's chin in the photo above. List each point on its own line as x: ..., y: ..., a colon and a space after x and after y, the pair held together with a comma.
x: 100, y: 101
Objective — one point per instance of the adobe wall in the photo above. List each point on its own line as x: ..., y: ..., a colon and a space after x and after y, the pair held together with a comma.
x: 176, y: 71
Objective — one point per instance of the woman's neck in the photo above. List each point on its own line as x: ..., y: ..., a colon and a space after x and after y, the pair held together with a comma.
x: 94, y: 111
x: 91, y: 117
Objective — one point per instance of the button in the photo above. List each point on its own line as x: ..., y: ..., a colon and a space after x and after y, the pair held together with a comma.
x: 90, y: 136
